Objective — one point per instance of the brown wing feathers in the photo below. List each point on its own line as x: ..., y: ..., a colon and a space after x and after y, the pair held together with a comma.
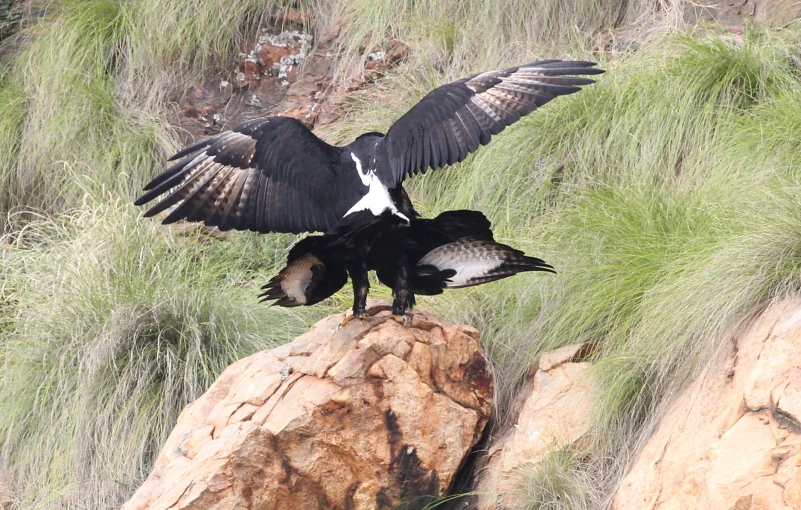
x: 274, y: 175
x: 267, y: 175
x: 456, y: 119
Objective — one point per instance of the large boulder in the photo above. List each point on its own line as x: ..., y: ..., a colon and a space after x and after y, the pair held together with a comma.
x: 371, y: 415
x: 554, y: 411
x: 731, y: 441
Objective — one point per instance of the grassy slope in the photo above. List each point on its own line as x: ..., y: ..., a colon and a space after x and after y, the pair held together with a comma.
x: 665, y: 196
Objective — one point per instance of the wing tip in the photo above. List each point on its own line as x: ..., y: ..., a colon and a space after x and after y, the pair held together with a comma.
x: 584, y: 67
x: 536, y: 264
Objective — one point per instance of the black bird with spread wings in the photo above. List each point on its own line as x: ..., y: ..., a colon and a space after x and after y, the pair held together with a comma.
x: 274, y: 175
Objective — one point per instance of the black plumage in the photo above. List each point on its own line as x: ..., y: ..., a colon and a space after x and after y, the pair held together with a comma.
x: 454, y: 250
x: 274, y: 175
x: 457, y: 249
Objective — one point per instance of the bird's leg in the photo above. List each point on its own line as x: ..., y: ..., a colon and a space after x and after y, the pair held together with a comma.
x: 361, y: 286
x: 402, y: 294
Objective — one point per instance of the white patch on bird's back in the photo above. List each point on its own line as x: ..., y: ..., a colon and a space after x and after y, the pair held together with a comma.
x: 377, y: 199
x: 467, y: 263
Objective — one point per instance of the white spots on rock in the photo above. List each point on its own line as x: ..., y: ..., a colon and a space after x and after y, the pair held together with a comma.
x: 273, y: 55
x: 289, y: 38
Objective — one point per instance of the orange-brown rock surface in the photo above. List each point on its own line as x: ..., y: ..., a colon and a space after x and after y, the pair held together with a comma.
x: 731, y: 441
x: 372, y: 415
x: 555, y: 406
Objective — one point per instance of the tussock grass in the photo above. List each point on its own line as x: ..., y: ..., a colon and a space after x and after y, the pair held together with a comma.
x: 458, y: 37
x: 111, y: 325
x: 559, y: 482
x: 87, y: 95
x: 665, y: 195
x: 10, y: 15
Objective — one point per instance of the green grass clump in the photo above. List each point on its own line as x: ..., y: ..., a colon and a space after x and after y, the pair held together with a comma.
x: 559, y: 482
x: 461, y: 37
x: 665, y: 195
x: 662, y: 195
x: 110, y: 326
x: 87, y: 96
x: 10, y: 16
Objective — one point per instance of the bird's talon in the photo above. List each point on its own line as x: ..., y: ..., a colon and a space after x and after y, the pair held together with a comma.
x: 403, y: 320
x: 361, y: 316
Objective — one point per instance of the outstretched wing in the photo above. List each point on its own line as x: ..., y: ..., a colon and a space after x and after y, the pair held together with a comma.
x: 455, y: 119
x: 472, y: 261
x: 457, y: 249
x: 266, y: 175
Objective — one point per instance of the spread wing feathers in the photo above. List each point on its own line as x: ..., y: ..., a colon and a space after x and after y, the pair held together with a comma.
x: 473, y: 261
x: 455, y: 119
x: 307, y: 278
x: 457, y: 249
x: 266, y: 175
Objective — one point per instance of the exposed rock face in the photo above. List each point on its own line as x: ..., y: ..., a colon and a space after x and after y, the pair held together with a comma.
x: 738, y: 13
x: 286, y: 70
x: 368, y: 416
x: 731, y: 441
x: 555, y: 411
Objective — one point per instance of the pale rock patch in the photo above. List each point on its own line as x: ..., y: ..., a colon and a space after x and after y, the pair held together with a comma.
x: 731, y: 440
x: 555, y: 405
x: 369, y: 416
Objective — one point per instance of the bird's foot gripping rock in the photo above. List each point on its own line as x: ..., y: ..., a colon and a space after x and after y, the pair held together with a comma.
x: 364, y: 316
x: 403, y: 320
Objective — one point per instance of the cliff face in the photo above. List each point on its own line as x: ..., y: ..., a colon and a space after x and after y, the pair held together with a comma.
x: 376, y: 415
x: 371, y: 415
x: 733, y: 439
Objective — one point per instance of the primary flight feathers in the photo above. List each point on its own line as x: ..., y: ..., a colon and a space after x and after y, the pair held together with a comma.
x: 274, y: 175
x: 452, y: 121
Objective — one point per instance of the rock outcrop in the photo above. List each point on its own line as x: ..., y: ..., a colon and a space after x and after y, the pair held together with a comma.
x: 555, y: 404
x: 372, y: 415
x: 732, y: 440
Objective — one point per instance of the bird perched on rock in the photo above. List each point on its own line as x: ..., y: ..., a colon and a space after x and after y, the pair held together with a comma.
x: 274, y: 175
